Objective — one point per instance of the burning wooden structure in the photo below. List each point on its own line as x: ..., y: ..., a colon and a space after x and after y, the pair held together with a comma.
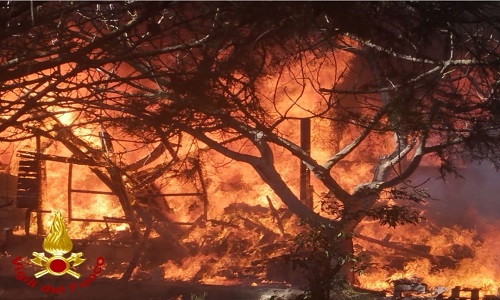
x: 214, y: 245
x: 147, y: 212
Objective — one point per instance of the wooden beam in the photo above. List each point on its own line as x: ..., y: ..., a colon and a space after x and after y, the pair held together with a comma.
x: 137, y: 253
x: 276, y: 215
x: 57, y: 158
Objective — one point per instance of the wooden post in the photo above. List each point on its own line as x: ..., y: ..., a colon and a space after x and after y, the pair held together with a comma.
x: 305, y: 174
x: 70, y: 190
x: 204, y: 194
x: 40, y: 179
x: 455, y: 292
x: 474, y: 294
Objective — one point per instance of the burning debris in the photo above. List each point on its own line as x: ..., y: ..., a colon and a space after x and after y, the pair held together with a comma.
x: 242, y: 243
x: 237, y: 246
x: 204, y: 240
x: 443, y: 256
x: 233, y: 247
x: 414, y: 288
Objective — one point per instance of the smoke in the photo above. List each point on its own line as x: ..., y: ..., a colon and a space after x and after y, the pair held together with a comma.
x: 471, y: 202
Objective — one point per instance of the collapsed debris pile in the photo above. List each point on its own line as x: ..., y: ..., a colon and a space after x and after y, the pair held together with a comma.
x: 235, y: 247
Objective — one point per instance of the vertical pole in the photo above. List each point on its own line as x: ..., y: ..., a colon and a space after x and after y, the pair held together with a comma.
x: 474, y: 294
x: 70, y: 188
x: 203, y: 190
x: 305, y: 175
x: 39, y: 221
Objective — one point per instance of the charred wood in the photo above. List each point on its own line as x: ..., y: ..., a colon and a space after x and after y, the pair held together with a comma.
x: 276, y: 215
x: 137, y: 253
x: 252, y: 224
x: 169, y: 232
x: 416, y: 250
x: 113, y: 181
x: 204, y: 269
x: 73, y: 160
x: 204, y: 196
x: 222, y: 223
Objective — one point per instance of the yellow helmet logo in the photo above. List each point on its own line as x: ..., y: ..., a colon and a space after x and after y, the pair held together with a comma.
x: 57, y: 243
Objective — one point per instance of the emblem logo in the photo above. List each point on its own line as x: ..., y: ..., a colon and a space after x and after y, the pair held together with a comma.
x: 57, y: 243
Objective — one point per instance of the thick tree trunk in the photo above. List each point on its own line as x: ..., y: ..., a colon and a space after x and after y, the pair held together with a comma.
x: 346, y: 248
x: 330, y: 268
x: 343, y: 246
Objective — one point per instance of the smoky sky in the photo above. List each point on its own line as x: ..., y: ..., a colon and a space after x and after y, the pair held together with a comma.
x: 471, y: 202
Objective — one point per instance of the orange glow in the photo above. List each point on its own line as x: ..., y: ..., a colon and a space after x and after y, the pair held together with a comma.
x: 446, y: 257
x: 237, y: 236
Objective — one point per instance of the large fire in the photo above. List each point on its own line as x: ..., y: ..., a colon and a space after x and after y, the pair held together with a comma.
x: 247, y: 226
x: 233, y: 243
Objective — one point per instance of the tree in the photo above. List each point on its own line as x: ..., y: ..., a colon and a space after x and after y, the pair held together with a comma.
x: 399, y: 81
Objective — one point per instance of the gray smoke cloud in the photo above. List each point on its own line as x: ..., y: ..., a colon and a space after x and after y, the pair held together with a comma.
x: 471, y: 202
